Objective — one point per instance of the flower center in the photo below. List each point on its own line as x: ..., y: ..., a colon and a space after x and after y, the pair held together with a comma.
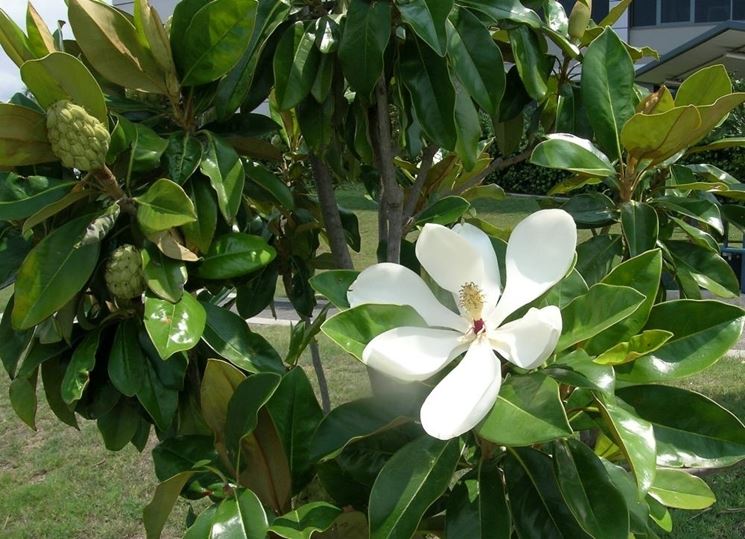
x: 471, y: 300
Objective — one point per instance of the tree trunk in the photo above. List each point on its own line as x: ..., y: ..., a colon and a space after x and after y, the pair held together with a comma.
x: 330, y: 213
x: 392, y: 195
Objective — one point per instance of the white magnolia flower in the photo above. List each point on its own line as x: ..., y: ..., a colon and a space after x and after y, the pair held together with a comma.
x: 462, y: 261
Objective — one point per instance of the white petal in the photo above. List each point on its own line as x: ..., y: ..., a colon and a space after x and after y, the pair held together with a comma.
x: 449, y: 258
x: 392, y: 284
x: 539, y: 254
x: 479, y: 240
x: 465, y: 395
x: 411, y: 353
x: 530, y: 340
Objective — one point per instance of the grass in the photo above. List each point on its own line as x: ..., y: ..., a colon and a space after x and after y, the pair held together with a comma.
x: 61, y: 483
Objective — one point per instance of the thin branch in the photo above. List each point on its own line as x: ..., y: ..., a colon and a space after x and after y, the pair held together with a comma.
x: 330, y: 213
x: 315, y: 358
x: 496, y: 165
x: 428, y: 157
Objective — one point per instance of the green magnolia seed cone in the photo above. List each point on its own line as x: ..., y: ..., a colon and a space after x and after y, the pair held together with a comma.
x: 78, y: 139
x: 124, y: 276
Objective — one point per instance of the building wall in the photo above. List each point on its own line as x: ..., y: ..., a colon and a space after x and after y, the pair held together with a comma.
x: 666, y: 38
x: 164, y: 7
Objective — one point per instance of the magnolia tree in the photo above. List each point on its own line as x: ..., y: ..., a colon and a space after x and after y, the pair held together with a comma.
x: 520, y: 379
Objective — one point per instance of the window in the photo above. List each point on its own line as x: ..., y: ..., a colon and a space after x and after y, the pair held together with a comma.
x: 653, y: 12
x: 644, y: 13
x: 712, y: 10
x: 599, y: 8
x: 675, y: 11
x: 738, y: 10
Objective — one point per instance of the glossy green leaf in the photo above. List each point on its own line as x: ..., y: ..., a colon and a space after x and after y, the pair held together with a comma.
x: 595, y: 257
x: 22, y: 394
x: 691, y: 429
x: 215, y: 40
x: 110, y: 44
x: 54, y: 271
x: 61, y: 76
x: 228, y: 335
x: 474, y: 55
x: 637, y: 505
x: 350, y: 422
x: 445, y: 211
x: 164, y: 205
x: 635, y: 437
x: 591, y: 496
x: 636, y: 347
x: 181, y: 453
x: 704, y: 87
x: 241, y: 516
x: 78, y: 370
x: 174, y: 327
x: 707, y: 268
x: 305, y: 520
x: 119, y: 425
x: 538, y: 510
x: 679, y: 489
x: 235, y: 87
x: 52, y: 374
x: 164, y: 276
x: 183, y: 155
x: 218, y: 384
x: 249, y: 398
x: 477, y: 506
x: 234, y: 255
x: 467, y: 128
x: 608, y: 89
x: 223, y: 167
x: 127, y: 361
x: 591, y: 210
x: 408, y: 484
x: 13, y: 41
x: 511, y: 10
x: 296, y: 62
x: 703, y: 332
x: 199, y: 234
x: 701, y: 210
x: 271, y: 185
x: 354, y: 328
x: 160, y: 401
x: 334, y: 285
x: 367, y: 30
x: 531, y: 60
x: 578, y: 369
x: 427, y: 19
x: 661, y: 135
x: 166, y: 495
x: 22, y: 197
x: 640, y: 227
x: 296, y: 415
x: 642, y: 273
x: 568, y: 152
x: 425, y: 76
x: 591, y: 313
x: 528, y: 411
x: 23, y: 137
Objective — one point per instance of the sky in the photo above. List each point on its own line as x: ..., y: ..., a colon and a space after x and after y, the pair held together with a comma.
x: 51, y: 11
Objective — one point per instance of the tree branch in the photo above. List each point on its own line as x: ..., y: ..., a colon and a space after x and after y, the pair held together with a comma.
x: 392, y: 194
x: 428, y: 157
x: 330, y: 213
